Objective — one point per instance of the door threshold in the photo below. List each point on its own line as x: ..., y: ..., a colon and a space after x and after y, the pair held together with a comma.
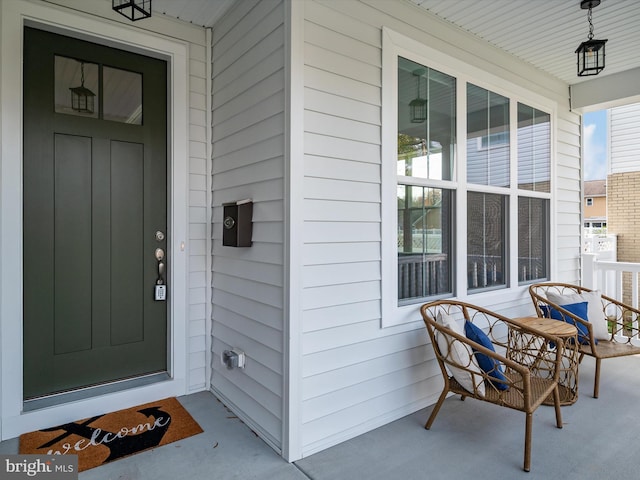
x: 93, y: 391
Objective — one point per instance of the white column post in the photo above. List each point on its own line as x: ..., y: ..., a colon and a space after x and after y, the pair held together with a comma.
x: 589, y: 274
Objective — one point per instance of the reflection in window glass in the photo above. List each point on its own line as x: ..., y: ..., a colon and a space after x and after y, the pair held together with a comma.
x: 424, y: 241
x: 533, y: 239
x: 75, y: 77
x: 426, y: 122
x: 486, y: 240
x: 122, y: 96
x: 487, y: 137
x: 534, y: 149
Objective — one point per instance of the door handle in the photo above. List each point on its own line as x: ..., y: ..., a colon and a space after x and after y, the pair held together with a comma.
x: 160, y: 257
x: 159, y: 254
x: 160, y: 280
x: 160, y: 287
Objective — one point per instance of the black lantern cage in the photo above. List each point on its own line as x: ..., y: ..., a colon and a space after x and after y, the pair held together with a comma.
x: 590, y: 57
x: 591, y: 52
x: 418, y: 106
x: 133, y: 9
x: 82, y: 99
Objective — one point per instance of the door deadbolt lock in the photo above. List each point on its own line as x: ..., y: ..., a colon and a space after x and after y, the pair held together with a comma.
x: 159, y: 236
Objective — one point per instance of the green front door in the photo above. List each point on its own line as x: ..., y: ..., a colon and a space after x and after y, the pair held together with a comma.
x: 95, y: 213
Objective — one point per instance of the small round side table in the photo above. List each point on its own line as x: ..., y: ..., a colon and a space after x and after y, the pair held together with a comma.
x: 545, y: 352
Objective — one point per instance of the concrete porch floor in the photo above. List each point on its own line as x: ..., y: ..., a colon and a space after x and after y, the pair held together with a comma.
x: 468, y: 439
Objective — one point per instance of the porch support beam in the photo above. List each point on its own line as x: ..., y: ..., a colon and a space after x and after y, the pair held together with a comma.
x: 608, y: 91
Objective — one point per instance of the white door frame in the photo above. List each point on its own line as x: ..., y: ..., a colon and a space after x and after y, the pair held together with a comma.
x: 13, y: 16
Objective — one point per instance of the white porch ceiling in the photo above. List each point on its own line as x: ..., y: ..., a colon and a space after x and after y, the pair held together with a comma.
x: 544, y: 33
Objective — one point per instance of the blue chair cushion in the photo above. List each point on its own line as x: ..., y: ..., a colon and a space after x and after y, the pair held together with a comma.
x: 579, y: 310
x: 487, y: 364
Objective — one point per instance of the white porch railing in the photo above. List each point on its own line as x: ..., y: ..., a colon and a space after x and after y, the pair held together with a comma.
x: 608, y: 277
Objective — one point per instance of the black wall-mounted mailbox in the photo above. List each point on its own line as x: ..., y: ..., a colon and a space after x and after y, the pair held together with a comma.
x: 237, y: 223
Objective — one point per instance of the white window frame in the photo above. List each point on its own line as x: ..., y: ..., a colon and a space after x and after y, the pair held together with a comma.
x: 395, y: 44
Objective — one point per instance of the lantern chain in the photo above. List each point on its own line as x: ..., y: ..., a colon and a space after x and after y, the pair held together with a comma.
x: 589, y: 17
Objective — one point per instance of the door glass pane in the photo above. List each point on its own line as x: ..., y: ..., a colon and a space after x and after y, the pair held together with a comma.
x: 486, y: 240
x: 76, y: 87
x: 487, y: 137
x: 424, y: 242
x: 426, y: 121
x: 534, y: 149
x: 533, y: 239
x: 122, y: 96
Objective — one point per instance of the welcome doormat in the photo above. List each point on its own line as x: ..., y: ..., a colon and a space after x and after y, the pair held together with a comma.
x: 104, y: 438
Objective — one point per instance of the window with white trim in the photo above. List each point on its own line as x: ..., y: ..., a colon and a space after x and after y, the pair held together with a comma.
x: 534, y: 175
x: 471, y: 175
x: 425, y: 158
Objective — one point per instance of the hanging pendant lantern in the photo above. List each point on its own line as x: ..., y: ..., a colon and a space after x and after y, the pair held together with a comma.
x: 132, y: 9
x: 82, y: 99
x: 418, y: 106
x: 591, y: 52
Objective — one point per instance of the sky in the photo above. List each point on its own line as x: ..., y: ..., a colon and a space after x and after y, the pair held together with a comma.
x: 595, y: 145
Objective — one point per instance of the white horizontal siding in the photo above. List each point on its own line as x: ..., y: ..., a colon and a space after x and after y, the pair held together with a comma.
x: 338, y: 315
x: 387, y: 379
x: 342, y: 211
x: 340, y: 148
x: 248, y: 147
x: 625, y: 139
x: 340, y: 232
x: 245, y: 155
x: 347, y: 252
x: 341, y: 274
x: 341, y: 107
x: 356, y: 375
x: 335, y: 126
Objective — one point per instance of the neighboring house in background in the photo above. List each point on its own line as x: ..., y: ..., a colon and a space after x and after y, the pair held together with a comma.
x: 595, y: 206
x: 623, y: 181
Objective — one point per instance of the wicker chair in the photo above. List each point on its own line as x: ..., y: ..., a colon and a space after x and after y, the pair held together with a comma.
x: 517, y: 349
x: 622, y: 324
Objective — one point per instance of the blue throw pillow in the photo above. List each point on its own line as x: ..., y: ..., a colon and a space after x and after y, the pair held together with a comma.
x: 487, y: 364
x: 579, y: 310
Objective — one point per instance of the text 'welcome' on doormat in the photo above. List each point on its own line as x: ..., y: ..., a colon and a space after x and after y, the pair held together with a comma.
x: 108, y: 437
